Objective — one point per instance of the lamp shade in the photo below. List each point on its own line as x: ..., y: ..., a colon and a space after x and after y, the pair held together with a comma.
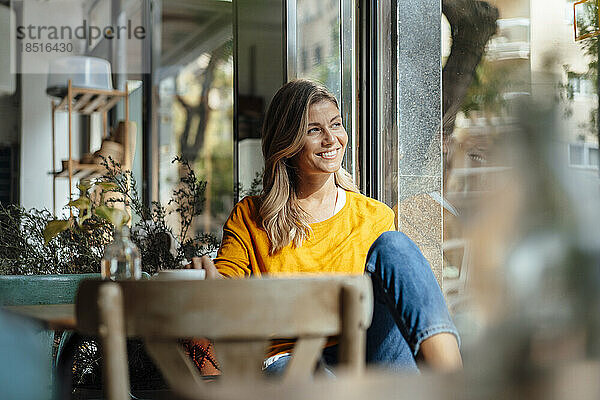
x: 86, y: 72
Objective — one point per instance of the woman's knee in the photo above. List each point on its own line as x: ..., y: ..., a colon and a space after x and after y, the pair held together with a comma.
x: 395, y: 254
x: 392, y: 238
x: 396, y: 244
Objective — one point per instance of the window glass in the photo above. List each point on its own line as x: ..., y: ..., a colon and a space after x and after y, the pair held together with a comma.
x: 318, y: 41
x: 195, y: 89
x: 259, y: 47
x: 520, y: 129
x: 325, y: 52
x: 576, y: 154
x: 593, y: 158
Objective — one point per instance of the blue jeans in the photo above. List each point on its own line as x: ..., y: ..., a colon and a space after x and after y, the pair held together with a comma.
x: 409, y: 306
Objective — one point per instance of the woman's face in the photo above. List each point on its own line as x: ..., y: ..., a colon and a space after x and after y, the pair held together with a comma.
x: 324, y: 141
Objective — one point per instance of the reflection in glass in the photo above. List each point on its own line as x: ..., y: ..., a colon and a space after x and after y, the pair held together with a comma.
x: 508, y: 172
x: 318, y: 41
x: 259, y: 59
x: 196, y: 104
x: 587, y: 21
x: 326, y: 51
x: 472, y: 90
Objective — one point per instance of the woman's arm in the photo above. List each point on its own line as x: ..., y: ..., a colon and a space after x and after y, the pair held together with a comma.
x: 206, y: 264
x: 233, y: 257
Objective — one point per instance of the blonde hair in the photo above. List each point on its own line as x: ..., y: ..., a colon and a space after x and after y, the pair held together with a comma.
x: 284, y: 128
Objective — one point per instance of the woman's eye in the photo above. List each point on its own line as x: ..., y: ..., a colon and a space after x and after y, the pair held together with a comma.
x: 313, y: 130
x: 337, y: 124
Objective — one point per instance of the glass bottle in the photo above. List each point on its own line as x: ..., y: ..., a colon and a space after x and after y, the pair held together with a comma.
x: 121, y: 259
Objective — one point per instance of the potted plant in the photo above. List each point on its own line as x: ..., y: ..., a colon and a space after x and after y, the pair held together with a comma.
x: 42, y: 259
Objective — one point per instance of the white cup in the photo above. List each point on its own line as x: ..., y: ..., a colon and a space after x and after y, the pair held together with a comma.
x: 180, y: 274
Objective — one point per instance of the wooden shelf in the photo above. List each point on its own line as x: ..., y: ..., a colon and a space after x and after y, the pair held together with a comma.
x: 81, y: 171
x: 89, y: 101
x: 86, y: 101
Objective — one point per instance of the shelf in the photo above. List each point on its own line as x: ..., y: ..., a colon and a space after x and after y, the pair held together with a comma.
x: 81, y: 171
x: 88, y: 101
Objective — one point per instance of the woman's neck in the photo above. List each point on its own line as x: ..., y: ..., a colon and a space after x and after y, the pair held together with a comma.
x: 317, y: 195
x: 316, y: 187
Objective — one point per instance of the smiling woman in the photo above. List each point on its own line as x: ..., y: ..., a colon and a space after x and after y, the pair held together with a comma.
x: 310, y: 219
x: 302, y: 128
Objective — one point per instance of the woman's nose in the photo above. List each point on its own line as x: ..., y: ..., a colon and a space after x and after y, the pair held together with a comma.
x: 328, y: 136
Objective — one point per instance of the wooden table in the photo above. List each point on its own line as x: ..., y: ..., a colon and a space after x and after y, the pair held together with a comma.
x: 52, y: 316
x: 374, y: 384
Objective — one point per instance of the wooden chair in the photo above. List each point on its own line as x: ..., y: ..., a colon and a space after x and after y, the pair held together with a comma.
x: 239, y: 315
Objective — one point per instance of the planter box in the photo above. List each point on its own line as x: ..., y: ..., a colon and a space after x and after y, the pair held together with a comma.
x: 40, y: 289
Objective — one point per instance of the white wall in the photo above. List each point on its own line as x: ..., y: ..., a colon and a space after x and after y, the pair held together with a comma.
x: 36, y: 146
x: 36, y: 127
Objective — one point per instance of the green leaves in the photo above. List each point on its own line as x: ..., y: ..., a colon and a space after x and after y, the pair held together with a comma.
x: 84, y: 205
x: 84, y: 186
x: 53, y: 228
x: 86, y: 210
x: 95, y: 219
x: 115, y: 216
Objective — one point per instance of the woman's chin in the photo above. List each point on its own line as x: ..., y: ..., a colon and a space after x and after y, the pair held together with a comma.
x: 330, y: 169
x: 321, y: 167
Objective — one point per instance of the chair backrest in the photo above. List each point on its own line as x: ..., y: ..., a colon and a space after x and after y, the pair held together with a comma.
x: 240, y: 316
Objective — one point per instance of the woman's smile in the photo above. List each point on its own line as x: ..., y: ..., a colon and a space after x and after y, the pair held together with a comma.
x: 330, y: 154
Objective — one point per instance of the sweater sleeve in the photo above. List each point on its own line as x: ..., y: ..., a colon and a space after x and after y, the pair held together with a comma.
x: 392, y: 224
x: 233, y: 256
x: 386, y: 218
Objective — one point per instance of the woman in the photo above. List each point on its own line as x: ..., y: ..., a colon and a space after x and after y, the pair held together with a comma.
x: 310, y: 218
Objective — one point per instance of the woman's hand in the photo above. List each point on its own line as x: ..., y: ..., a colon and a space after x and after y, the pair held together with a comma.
x: 206, y: 264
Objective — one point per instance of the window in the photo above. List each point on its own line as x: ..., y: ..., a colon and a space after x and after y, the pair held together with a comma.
x: 331, y: 38
x: 318, y: 34
x: 575, y: 84
x: 583, y: 155
x: 576, y: 154
x: 581, y: 85
x: 511, y: 40
x: 195, y: 105
x: 586, y: 19
x: 593, y: 157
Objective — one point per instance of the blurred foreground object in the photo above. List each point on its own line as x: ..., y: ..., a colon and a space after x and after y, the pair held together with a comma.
x: 535, y: 270
x: 23, y: 365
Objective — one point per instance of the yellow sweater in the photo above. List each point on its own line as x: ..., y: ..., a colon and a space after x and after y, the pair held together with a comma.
x: 338, y: 245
